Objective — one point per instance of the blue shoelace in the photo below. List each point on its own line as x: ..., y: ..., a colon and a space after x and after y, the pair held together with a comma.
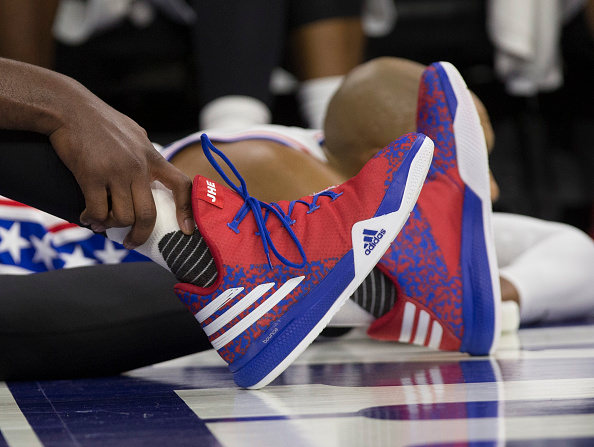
x: 255, y: 206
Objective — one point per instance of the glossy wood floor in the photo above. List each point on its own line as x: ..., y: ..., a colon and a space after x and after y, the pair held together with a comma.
x: 537, y: 390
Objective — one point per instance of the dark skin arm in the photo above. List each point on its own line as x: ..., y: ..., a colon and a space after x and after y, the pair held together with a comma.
x: 108, y: 153
x: 508, y: 291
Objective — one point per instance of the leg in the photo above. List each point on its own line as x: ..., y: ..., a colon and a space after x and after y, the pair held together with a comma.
x: 94, y: 326
x: 326, y: 42
x: 326, y: 38
x: 226, y: 32
x: 26, y: 31
x: 83, y: 325
x: 32, y: 173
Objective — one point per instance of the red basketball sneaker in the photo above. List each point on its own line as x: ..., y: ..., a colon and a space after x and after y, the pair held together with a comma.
x: 265, y: 307
x: 443, y: 261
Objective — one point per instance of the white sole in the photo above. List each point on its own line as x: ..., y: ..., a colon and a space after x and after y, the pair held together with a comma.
x: 473, y: 165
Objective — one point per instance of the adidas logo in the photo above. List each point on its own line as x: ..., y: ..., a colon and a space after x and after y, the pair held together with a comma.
x: 371, y: 238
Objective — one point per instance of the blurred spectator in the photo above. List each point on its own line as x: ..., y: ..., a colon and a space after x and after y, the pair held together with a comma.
x: 240, y: 43
x: 26, y: 31
x: 527, y: 38
x: 236, y: 45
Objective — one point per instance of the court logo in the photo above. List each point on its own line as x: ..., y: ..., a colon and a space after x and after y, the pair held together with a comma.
x: 371, y: 238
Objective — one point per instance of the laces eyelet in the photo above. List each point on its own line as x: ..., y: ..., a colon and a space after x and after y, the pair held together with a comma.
x: 336, y: 196
x: 254, y: 206
x: 234, y: 226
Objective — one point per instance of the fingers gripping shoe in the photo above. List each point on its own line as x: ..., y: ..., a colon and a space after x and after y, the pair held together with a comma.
x: 443, y: 261
x: 265, y: 307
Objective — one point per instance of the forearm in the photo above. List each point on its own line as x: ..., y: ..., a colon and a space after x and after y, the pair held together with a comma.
x: 109, y: 154
x: 36, y: 99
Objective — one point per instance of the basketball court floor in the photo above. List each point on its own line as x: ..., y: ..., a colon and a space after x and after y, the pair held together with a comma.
x: 537, y: 390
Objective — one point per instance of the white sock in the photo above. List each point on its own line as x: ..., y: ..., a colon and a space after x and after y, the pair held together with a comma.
x: 234, y: 112
x: 186, y: 256
x: 166, y: 223
x: 314, y: 96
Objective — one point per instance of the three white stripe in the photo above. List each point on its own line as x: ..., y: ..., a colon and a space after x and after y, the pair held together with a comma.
x: 423, y: 318
x: 240, y: 306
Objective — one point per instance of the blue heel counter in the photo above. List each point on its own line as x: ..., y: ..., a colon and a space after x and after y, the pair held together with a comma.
x: 477, y: 303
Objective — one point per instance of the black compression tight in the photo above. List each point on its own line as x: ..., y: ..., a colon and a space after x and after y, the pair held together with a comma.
x: 32, y: 173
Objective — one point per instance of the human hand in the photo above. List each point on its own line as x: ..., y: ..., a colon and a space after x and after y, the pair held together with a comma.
x: 113, y: 161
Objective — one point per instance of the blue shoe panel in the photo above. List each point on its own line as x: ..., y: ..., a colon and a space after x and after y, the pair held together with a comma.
x: 447, y: 89
x: 393, y: 197
x: 477, y: 303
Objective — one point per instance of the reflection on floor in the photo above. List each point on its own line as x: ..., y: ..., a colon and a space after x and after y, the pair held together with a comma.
x: 537, y: 390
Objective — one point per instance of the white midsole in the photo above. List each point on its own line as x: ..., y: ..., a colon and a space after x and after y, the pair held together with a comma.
x: 473, y: 166
x: 392, y: 223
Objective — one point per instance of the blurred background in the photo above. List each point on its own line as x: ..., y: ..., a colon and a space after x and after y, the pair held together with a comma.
x: 179, y: 66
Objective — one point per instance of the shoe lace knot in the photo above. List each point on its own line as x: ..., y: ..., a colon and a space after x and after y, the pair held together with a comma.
x: 256, y: 207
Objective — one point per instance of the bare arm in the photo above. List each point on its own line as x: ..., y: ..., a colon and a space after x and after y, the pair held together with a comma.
x: 108, y: 153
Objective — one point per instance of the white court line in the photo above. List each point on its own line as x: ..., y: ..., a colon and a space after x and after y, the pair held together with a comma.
x: 370, y: 351
x: 358, y: 431
x: 299, y: 400
x: 556, y: 337
x: 14, y: 426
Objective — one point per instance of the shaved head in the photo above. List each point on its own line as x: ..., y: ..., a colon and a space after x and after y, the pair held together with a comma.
x: 376, y: 103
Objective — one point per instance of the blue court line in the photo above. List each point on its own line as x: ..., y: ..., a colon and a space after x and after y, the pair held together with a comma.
x: 115, y: 411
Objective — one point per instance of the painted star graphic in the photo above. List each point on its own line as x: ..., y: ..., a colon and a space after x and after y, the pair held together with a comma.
x: 110, y: 254
x: 12, y: 242
x: 76, y: 259
x: 44, y: 251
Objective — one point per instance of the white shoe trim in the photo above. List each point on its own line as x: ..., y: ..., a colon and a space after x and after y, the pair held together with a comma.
x: 238, y: 308
x: 257, y: 313
x: 217, y: 303
x: 473, y: 165
x: 408, y: 321
x: 422, y: 327
x: 436, y: 335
